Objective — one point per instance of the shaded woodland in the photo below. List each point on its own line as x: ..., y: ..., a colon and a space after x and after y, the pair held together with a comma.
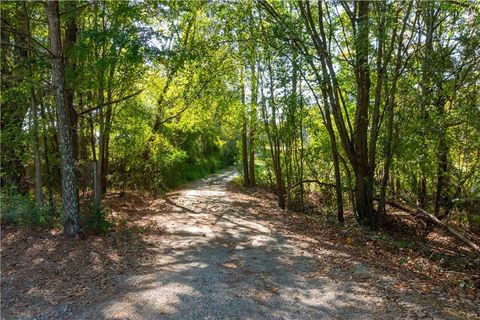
x: 346, y: 111
x: 353, y: 126
x: 366, y: 102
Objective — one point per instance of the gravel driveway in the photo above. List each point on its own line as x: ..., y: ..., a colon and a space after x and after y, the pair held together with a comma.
x: 218, y: 261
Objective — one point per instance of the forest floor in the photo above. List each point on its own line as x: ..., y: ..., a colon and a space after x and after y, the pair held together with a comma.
x: 214, y: 251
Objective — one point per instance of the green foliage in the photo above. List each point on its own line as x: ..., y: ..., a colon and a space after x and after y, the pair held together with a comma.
x: 201, y: 69
x: 96, y: 221
x: 262, y: 174
x: 238, y: 182
x: 21, y: 210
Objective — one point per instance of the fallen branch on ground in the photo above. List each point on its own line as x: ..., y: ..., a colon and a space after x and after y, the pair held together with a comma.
x: 430, y: 216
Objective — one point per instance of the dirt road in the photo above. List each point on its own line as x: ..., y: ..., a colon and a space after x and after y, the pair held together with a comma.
x: 217, y: 256
x: 219, y: 260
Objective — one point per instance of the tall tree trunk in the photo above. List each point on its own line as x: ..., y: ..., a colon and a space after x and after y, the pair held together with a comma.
x: 246, y: 176
x: 362, y: 166
x: 84, y: 134
x: 364, y: 197
x: 69, y: 187
x: 442, y: 163
x: 46, y: 156
x: 426, y: 86
x: 336, y: 167
x: 33, y: 101
x: 253, y: 123
x: 422, y: 190
x: 275, y: 145
x: 96, y: 190
x: 251, y: 163
x: 71, y: 31
x: 101, y: 118
x: 302, y: 188
x: 389, y: 109
x: 107, y: 128
x: 278, y: 175
x: 36, y: 152
x: 354, y: 144
x: 101, y: 148
x: 442, y: 175
x: 387, y: 161
x: 105, y: 160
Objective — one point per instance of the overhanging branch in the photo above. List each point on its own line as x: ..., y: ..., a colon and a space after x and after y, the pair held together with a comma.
x: 111, y: 102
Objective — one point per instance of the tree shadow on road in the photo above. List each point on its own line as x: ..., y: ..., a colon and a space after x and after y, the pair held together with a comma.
x: 209, y: 254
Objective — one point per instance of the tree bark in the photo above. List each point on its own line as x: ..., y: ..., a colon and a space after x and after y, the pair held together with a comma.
x: 71, y: 31
x: 108, y: 124
x: 426, y: 86
x: 363, y: 168
x: 246, y: 176
x: 387, y: 164
x: 390, y: 103
x: 252, y: 123
x: 335, y: 158
x: 354, y: 143
x: 98, y: 172
x: 336, y: 167
x: 47, y: 154
x: 36, y: 151
x: 69, y: 187
x: 442, y: 164
x: 275, y: 145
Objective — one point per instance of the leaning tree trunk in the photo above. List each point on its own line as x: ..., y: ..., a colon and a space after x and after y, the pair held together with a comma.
x: 69, y: 187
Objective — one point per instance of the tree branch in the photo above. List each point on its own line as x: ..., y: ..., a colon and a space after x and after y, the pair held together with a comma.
x: 324, y: 184
x: 111, y: 102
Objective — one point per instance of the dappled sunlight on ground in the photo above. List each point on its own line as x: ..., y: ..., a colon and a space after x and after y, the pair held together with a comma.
x: 207, y: 252
x: 220, y: 261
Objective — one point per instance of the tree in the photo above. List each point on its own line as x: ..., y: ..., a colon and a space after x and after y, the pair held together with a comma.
x: 69, y: 187
x: 374, y: 100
